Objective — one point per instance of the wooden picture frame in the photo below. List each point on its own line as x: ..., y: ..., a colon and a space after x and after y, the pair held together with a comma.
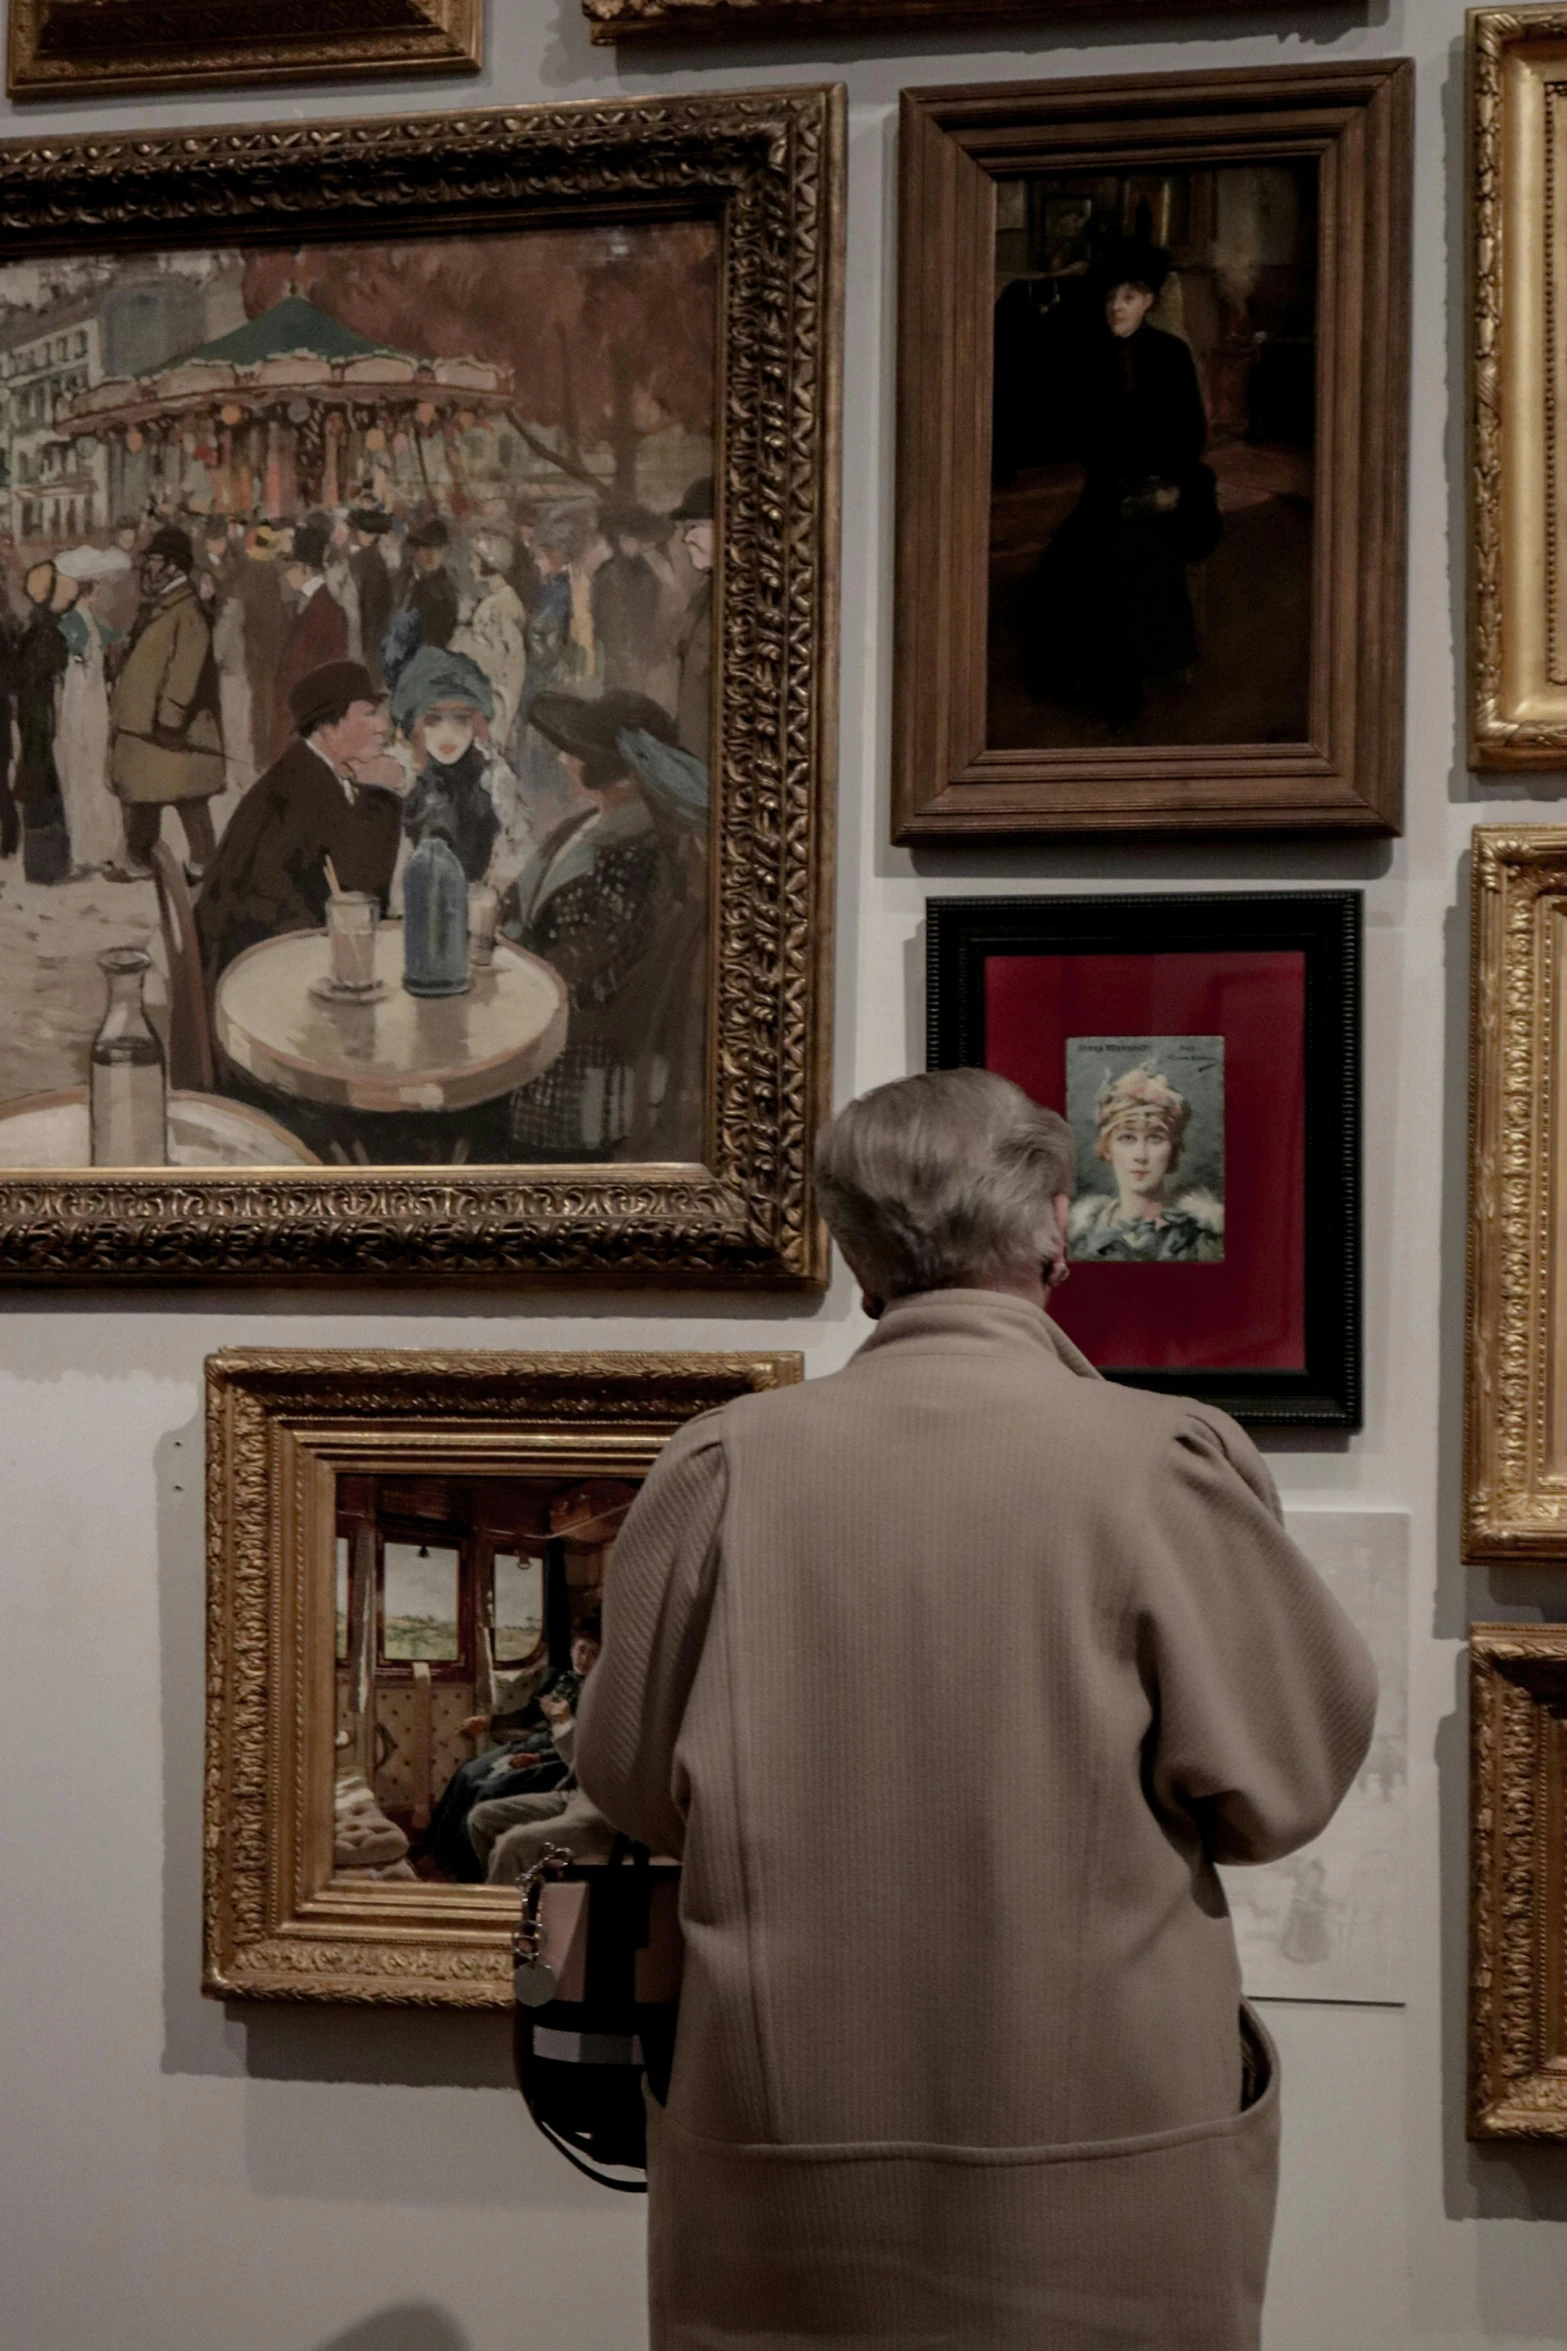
x: 1518, y: 1881
x: 1515, y: 1406
x: 1267, y: 1320
x: 285, y: 1430
x: 782, y: 20
x: 1517, y: 86
x: 107, y: 48
x: 758, y: 178
x: 1332, y: 760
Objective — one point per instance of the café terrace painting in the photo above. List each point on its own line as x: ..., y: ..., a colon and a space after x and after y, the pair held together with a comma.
x: 356, y: 693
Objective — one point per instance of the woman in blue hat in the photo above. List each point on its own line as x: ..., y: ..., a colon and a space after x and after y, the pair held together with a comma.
x: 442, y: 706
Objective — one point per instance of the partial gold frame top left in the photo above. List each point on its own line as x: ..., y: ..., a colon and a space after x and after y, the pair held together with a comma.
x: 282, y: 1428
x: 103, y: 48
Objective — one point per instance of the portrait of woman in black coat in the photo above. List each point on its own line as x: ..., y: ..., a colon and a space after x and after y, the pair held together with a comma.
x: 1110, y: 610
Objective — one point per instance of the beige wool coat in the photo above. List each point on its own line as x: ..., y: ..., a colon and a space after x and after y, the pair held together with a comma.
x: 951, y: 1676
x: 166, y: 734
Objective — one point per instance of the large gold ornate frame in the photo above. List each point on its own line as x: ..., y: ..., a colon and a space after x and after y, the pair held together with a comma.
x: 1515, y: 1404
x: 767, y: 166
x: 1517, y: 351
x: 281, y: 1429
x: 1518, y: 1882
x: 102, y: 48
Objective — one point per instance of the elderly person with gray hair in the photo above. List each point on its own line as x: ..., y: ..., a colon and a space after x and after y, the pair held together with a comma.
x: 952, y: 1676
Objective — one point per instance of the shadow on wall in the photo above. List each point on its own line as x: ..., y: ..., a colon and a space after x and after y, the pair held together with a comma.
x: 410, y: 2326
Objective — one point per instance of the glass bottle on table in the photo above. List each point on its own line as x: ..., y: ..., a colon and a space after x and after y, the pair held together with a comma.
x: 128, y: 1086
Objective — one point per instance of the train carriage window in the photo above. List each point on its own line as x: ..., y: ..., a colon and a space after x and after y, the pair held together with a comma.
x: 419, y: 1603
x: 518, y: 1599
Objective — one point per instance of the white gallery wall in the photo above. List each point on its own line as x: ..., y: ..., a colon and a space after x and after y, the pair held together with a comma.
x: 174, y: 2174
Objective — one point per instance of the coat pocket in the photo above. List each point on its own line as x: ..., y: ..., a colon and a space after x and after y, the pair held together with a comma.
x: 1154, y: 2243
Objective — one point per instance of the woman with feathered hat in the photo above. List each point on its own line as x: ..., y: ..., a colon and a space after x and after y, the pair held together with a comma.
x: 1142, y: 1122
x: 616, y: 900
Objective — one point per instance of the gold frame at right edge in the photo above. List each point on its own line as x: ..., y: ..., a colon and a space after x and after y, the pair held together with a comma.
x: 1518, y: 1882
x: 1517, y: 340
x: 1515, y: 1401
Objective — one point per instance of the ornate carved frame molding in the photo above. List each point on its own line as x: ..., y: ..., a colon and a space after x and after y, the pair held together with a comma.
x: 1515, y: 1401
x: 1517, y: 70
x: 1518, y: 1882
x: 104, y: 48
x: 767, y: 166
x: 778, y: 20
x: 281, y: 1428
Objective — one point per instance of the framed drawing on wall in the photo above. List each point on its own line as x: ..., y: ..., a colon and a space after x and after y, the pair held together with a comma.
x: 1517, y: 259
x: 1206, y: 1053
x: 405, y: 1559
x: 102, y: 48
x: 416, y: 833
x: 1517, y: 1884
x: 1515, y: 1403
x: 1152, y: 424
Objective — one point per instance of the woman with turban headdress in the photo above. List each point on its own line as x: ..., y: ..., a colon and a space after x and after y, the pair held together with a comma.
x: 1142, y: 1123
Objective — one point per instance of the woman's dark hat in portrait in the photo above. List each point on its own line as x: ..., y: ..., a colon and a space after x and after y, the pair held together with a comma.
x: 372, y: 522
x: 1131, y: 262
x: 591, y: 730
x: 323, y: 694
x: 697, y: 504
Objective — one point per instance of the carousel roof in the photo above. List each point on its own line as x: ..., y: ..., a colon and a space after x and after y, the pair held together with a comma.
x: 292, y: 352
x: 290, y: 327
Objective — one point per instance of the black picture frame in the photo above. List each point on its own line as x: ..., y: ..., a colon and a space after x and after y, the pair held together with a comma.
x: 1325, y: 926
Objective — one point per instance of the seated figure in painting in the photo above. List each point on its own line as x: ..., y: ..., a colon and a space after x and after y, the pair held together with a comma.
x: 508, y: 1830
x: 1142, y: 1123
x: 442, y: 707
x: 333, y: 794
x: 534, y: 1716
x: 1110, y: 610
x: 616, y: 900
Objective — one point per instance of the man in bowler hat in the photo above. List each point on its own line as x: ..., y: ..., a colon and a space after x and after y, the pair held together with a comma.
x: 330, y: 795
x: 166, y: 732
x: 317, y: 633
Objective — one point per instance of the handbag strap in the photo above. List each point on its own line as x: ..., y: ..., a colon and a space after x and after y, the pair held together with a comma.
x: 592, y: 2171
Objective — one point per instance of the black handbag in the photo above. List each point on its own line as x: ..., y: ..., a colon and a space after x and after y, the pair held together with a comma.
x: 596, y: 1981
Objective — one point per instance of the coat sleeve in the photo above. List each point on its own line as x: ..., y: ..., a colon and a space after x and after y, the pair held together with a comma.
x: 188, y: 652
x: 658, y: 1599
x: 1263, y: 1692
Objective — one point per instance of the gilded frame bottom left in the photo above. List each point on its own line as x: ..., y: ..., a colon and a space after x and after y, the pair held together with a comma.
x: 404, y: 1550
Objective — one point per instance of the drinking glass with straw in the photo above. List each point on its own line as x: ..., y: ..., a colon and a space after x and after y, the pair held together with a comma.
x: 351, y: 920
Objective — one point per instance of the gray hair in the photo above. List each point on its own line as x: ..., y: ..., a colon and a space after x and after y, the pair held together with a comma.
x: 934, y: 1180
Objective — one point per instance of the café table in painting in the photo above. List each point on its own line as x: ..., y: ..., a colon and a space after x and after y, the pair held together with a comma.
x: 204, y: 1130
x: 396, y: 1052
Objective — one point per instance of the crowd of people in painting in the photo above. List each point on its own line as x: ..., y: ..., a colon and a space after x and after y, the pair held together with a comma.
x: 533, y: 684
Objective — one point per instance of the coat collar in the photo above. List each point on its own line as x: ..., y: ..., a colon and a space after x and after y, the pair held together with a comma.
x: 970, y: 1320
